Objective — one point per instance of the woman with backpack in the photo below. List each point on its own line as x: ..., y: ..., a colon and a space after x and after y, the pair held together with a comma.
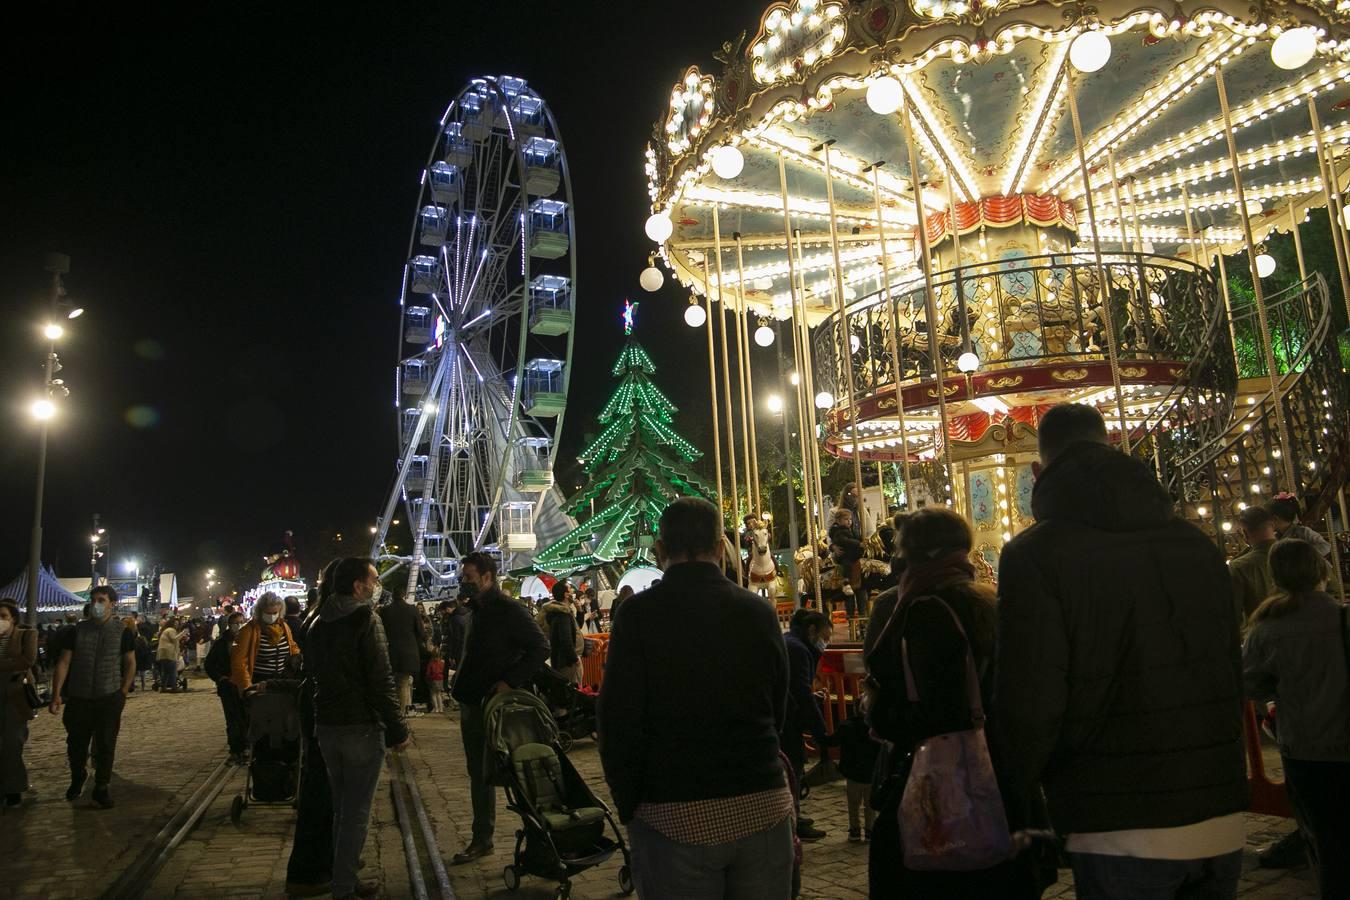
x: 1298, y: 654
x: 942, y: 620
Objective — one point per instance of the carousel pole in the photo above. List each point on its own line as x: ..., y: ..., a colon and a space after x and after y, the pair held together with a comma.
x: 809, y: 383
x: 752, y: 473
x: 798, y: 300
x: 1102, y: 291
x: 741, y: 389
x: 712, y: 385
x: 1120, y: 204
x: 951, y: 211
x: 794, y: 539
x: 1326, y: 168
x: 1298, y: 243
x: 930, y: 307
x: 846, y: 335
x: 726, y: 390
x: 1223, y: 279
x: 894, y: 327
x: 1285, y: 456
x: 1134, y: 216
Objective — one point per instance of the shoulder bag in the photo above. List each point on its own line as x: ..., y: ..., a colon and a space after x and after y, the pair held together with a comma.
x: 951, y: 814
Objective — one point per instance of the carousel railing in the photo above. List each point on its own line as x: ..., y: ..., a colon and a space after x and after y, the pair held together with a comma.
x: 1019, y: 312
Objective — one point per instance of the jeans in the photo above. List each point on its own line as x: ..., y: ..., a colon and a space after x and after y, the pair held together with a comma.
x: 482, y: 794
x: 13, y: 735
x: 754, y: 867
x: 236, y: 718
x: 353, y: 755
x: 1100, y: 877
x: 96, y: 721
x: 1319, y: 792
x: 168, y: 674
x: 404, y: 691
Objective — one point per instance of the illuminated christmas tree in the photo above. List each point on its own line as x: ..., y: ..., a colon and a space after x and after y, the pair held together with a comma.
x: 637, y: 466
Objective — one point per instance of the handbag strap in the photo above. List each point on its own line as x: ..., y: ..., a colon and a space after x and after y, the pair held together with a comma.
x: 972, y: 676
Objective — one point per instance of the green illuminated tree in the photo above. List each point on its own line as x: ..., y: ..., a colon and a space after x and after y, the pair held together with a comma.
x: 637, y: 466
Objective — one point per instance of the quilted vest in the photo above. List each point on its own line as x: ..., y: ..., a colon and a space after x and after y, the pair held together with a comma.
x: 96, y: 664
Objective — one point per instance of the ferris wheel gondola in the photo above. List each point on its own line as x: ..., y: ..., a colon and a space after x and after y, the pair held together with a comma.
x: 487, y: 311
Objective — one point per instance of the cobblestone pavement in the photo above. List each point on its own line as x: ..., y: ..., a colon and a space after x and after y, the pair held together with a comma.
x: 169, y: 743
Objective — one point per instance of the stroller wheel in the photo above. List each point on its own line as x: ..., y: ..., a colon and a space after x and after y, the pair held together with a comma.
x: 625, y: 880
x: 565, y: 741
x: 511, y: 878
x: 236, y: 808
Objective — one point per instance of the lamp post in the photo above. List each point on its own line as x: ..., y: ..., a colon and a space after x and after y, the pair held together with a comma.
x: 43, y: 409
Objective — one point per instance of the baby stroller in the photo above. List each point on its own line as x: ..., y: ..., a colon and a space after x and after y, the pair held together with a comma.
x: 273, y: 773
x: 573, y: 709
x: 563, y: 822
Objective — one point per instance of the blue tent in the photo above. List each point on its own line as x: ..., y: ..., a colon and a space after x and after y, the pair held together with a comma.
x: 52, y: 598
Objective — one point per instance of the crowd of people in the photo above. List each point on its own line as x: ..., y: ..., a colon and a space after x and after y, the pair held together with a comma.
x: 1088, y: 708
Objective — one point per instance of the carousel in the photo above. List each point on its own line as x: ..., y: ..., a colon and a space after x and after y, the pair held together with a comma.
x: 959, y: 213
x: 280, y: 576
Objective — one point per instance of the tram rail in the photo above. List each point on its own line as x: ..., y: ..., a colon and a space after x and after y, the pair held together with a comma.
x: 413, y: 821
x: 137, y: 878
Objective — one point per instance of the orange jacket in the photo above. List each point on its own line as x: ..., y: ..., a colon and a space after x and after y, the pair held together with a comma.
x: 244, y: 653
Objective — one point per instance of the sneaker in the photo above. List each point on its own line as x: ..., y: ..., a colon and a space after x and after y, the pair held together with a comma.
x: 76, y: 787
x: 101, y: 796
x: 809, y: 833
x: 1288, y: 852
x: 855, y: 835
x: 475, y: 849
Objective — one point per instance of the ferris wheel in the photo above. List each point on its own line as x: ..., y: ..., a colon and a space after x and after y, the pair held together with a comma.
x: 487, y: 309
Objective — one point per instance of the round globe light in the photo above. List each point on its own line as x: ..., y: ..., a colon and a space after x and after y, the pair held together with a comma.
x: 775, y: 403
x: 1293, y: 48
x: 967, y: 362
x: 53, y: 331
x: 1265, y: 265
x: 727, y: 161
x: 695, y: 315
x: 1253, y: 208
x: 1090, y: 51
x: 884, y: 95
x: 651, y: 279
x: 854, y: 343
x: 764, y: 336
x: 824, y: 400
x: 659, y: 227
x: 1345, y: 216
x: 43, y: 409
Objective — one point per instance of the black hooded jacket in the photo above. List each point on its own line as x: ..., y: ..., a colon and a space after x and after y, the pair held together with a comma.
x: 1118, y: 681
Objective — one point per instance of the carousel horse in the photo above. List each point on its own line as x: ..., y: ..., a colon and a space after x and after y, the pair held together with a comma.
x: 759, y: 562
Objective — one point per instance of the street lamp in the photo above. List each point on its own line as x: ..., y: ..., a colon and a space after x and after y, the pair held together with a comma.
x: 57, y: 264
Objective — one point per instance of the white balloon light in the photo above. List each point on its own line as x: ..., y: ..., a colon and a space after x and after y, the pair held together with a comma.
x: 1090, y: 51
x: 1265, y: 265
x: 1293, y: 48
x: 727, y: 161
x: 695, y: 315
x: 659, y: 227
x: 764, y: 336
x: 824, y: 400
x: 651, y: 279
x: 967, y: 362
x: 884, y: 95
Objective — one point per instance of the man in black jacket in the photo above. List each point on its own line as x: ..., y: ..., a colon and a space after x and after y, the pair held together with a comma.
x: 1118, y: 672
x: 356, y: 711
x: 217, y: 668
x: 693, y: 700
x: 503, y: 649
x: 406, y: 636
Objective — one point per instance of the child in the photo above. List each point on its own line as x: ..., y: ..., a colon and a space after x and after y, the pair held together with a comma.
x: 846, y: 550
x: 857, y: 759
x: 435, y: 678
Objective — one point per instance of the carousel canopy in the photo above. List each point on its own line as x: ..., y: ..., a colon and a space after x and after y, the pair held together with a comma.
x: 810, y: 111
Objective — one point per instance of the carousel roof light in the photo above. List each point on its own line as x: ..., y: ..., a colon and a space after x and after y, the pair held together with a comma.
x: 884, y: 95
x: 1265, y: 265
x: 695, y: 315
x: 967, y: 362
x: 727, y: 161
x: 651, y: 279
x: 659, y: 227
x: 764, y: 336
x: 1090, y: 51
x: 824, y: 400
x: 1294, y: 48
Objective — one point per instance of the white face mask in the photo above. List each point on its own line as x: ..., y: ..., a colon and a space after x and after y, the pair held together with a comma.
x: 6, y: 625
x: 99, y: 610
x: 235, y: 627
x: 270, y: 618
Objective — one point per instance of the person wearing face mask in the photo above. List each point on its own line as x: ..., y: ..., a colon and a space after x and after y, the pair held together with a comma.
x: 18, y: 653
x: 166, y: 656
x: 503, y: 649
x: 93, y: 677
x: 263, y: 648
x: 805, y: 641
x: 356, y: 710
x: 217, y: 668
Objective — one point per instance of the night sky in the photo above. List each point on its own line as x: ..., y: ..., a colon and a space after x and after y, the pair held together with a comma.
x: 236, y: 195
